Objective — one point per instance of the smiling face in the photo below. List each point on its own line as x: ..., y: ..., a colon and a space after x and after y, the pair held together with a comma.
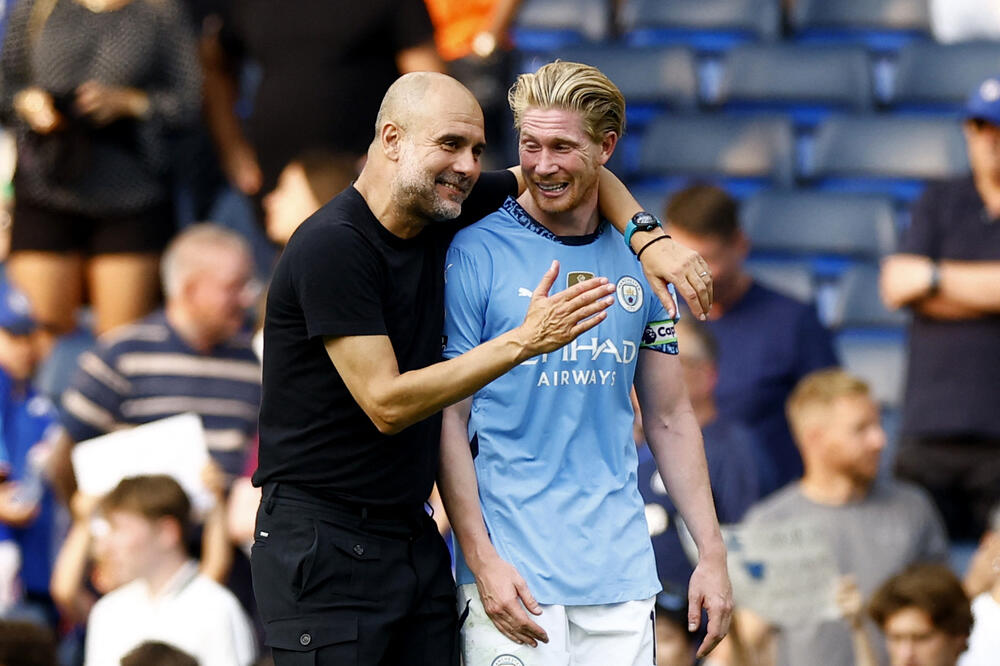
x: 438, y: 155
x: 560, y: 161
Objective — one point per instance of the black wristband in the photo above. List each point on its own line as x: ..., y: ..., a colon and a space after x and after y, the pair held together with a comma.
x: 638, y: 255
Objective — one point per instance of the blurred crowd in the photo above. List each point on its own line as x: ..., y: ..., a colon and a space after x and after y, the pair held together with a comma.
x: 167, y: 149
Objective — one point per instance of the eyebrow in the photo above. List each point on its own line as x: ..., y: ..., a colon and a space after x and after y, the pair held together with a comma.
x: 462, y: 139
x: 555, y: 139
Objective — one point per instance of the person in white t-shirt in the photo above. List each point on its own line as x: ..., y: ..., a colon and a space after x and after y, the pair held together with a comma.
x: 167, y: 599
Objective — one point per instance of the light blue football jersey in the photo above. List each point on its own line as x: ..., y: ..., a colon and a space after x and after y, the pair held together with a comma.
x: 552, y: 438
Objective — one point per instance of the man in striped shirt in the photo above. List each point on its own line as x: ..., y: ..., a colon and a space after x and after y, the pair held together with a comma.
x: 192, y: 356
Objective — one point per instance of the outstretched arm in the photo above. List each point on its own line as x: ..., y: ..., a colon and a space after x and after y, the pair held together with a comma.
x: 394, y: 400
x: 675, y: 441
x: 501, y: 588
x: 663, y: 262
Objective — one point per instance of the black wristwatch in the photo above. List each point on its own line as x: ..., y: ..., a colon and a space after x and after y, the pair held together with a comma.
x: 641, y: 221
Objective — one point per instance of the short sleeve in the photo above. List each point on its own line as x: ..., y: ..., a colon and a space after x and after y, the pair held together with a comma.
x: 659, y: 333
x: 338, y: 279
x: 411, y: 24
x: 91, y: 406
x: 920, y: 235
x: 464, y: 303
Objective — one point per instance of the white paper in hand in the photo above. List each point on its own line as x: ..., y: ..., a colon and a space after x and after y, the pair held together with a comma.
x: 174, y: 446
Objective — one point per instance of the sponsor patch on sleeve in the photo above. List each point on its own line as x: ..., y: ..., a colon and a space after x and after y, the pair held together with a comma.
x: 661, y: 336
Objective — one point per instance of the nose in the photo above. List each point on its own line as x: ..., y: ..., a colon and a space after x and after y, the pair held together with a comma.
x: 546, y: 164
x: 466, y: 162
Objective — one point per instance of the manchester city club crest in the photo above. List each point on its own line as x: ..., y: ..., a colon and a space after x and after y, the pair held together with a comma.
x: 507, y: 660
x: 629, y: 293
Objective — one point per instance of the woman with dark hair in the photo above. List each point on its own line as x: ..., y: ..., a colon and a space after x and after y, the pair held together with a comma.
x: 92, y: 90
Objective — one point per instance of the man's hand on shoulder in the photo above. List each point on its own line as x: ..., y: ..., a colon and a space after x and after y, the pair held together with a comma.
x: 669, y: 261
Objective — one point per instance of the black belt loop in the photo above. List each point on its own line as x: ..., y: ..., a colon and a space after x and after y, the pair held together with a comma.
x: 268, y: 499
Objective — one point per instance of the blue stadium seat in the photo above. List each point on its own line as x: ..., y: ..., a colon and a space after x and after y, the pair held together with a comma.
x: 792, y: 278
x: 743, y: 153
x: 877, y: 358
x: 652, y: 79
x: 858, y: 304
x: 706, y: 25
x: 807, y: 82
x: 939, y: 77
x: 546, y: 25
x: 881, y: 25
x: 806, y: 222
x: 891, y: 154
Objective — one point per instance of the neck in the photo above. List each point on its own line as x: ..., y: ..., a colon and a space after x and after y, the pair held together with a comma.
x: 164, y: 572
x: 578, y: 221
x: 372, y: 184
x: 832, y: 489
x: 988, y: 186
x: 187, y: 327
x: 727, y: 297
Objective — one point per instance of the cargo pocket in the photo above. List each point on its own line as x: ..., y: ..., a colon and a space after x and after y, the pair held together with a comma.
x: 345, y: 563
x: 306, y: 641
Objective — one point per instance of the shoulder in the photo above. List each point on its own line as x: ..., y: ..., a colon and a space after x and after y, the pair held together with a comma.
x: 150, y: 331
x: 904, y: 493
x: 209, y: 594
x: 782, y: 503
x: 479, y: 233
x: 120, y: 600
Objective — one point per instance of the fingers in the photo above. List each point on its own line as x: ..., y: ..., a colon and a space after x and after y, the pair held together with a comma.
x: 527, y: 598
x: 542, y: 290
x: 664, y: 296
x: 694, y: 610
x: 510, y: 620
x: 720, y: 611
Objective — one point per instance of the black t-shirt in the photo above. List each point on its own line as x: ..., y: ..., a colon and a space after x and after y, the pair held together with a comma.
x: 953, y: 378
x: 324, y: 67
x: 343, y: 273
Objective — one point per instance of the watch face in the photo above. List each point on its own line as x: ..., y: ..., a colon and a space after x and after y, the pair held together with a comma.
x: 645, y: 222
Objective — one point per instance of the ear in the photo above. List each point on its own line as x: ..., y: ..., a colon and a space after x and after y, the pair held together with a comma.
x: 168, y: 531
x: 608, y: 144
x: 391, y: 136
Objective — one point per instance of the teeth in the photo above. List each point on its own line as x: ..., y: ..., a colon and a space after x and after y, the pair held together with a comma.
x: 552, y: 188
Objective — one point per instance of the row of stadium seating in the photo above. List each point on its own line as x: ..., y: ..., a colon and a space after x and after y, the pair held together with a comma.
x: 712, y: 25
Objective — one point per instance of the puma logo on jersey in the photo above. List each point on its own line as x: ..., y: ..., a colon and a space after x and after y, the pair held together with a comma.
x: 521, y: 291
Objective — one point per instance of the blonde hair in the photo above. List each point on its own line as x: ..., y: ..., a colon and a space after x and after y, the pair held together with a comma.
x: 820, y: 389
x: 575, y: 87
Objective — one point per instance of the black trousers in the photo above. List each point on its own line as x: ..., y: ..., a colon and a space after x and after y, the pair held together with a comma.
x: 351, y: 586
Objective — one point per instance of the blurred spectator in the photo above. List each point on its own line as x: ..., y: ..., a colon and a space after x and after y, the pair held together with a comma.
x: 948, y: 273
x: 192, y: 357
x: 984, y: 643
x: 26, y: 644
x: 28, y: 429
x: 965, y: 20
x: 767, y: 341
x: 730, y: 449
x: 675, y: 645
x: 167, y: 600
x: 327, y: 96
x: 923, y: 614
x: 155, y: 653
x: 874, y: 527
x: 306, y: 183
x: 472, y: 37
x: 92, y: 90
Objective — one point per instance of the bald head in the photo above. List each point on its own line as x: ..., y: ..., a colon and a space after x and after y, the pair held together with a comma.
x: 419, y: 95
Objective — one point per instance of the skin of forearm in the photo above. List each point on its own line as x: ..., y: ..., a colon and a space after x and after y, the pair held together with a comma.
x: 396, y: 402
x: 459, y: 488
x: 973, y: 284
